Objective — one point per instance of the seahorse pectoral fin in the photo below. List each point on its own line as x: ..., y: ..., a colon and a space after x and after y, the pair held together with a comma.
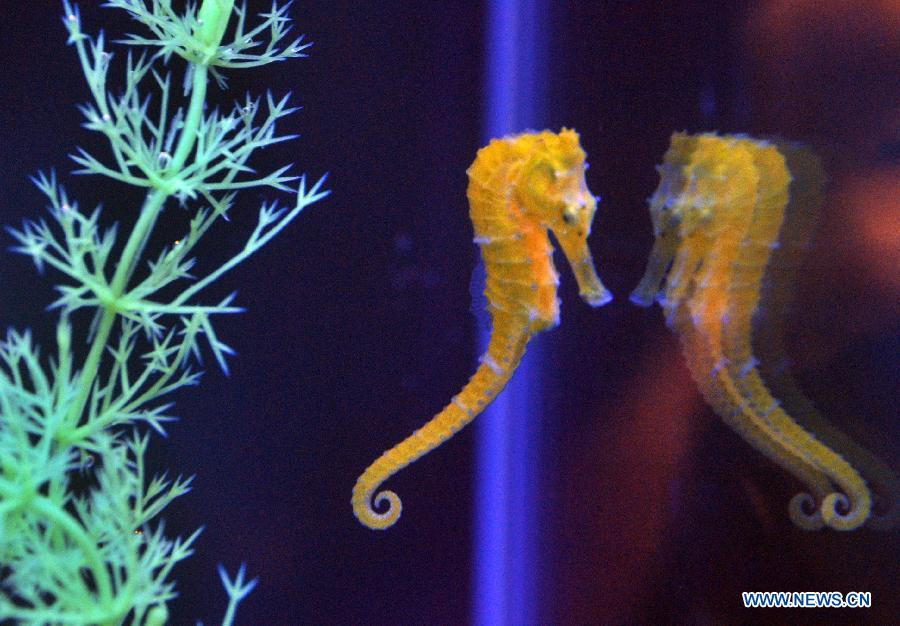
x: 590, y: 288
x: 664, y: 248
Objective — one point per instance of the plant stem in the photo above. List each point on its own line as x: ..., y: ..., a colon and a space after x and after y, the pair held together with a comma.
x: 137, y: 240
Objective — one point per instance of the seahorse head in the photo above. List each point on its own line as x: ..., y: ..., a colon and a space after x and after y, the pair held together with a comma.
x: 701, y: 184
x: 706, y: 184
x: 551, y: 189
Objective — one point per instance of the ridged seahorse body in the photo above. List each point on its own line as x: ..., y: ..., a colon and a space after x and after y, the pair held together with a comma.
x: 716, y: 215
x: 519, y: 188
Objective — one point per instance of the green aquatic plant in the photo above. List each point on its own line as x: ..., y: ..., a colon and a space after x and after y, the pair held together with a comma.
x: 80, y: 538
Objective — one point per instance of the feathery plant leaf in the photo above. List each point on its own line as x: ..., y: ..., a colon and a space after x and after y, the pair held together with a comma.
x: 80, y: 536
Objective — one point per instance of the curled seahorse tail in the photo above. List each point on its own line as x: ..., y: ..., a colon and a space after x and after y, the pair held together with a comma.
x: 840, y: 511
x: 506, y: 348
x: 363, y: 500
x: 882, y: 481
x: 714, y: 377
x: 857, y: 507
x: 804, y: 512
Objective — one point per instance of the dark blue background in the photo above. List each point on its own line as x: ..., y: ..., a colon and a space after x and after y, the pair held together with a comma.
x: 359, y: 326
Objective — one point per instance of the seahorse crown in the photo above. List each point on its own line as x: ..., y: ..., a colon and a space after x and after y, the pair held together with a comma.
x: 545, y: 172
x: 704, y: 180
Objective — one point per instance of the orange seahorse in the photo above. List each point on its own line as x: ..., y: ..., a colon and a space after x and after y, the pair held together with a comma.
x: 519, y: 188
x: 716, y: 216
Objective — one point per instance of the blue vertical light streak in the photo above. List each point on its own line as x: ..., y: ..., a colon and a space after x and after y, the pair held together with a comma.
x: 508, y: 452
